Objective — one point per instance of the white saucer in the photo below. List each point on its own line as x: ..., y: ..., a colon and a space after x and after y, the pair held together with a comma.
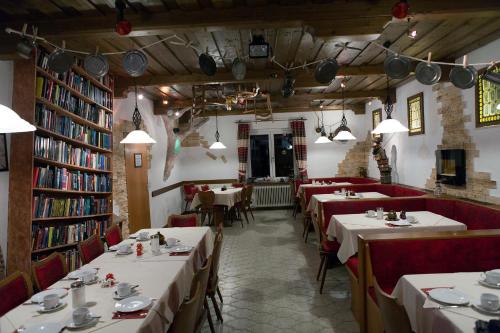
x: 119, y: 298
x: 50, y: 327
x: 118, y: 253
x: 400, y: 223
x: 38, y: 298
x: 58, y: 307
x: 171, y: 246
x: 489, y: 285
x: 91, y: 321
x: 181, y: 249
x: 479, y: 308
x: 132, y: 304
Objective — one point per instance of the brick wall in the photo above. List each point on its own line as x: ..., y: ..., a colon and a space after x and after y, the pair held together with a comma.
x: 355, y: 158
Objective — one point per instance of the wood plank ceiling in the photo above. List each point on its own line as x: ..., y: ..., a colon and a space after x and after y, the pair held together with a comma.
x: 297, y: 31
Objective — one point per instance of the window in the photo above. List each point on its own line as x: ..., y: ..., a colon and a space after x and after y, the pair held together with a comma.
x: 271, y: 155
x: 416, y: 123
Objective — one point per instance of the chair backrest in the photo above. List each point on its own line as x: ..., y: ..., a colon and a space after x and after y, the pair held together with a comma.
x: 15, y: 289
x: 201, y: 278
x: 394, y: 315
x: 248, y: 195
x: 185, y: 320
x: 213, y: 280
x: 48, y: 270
x: 113, y: 235
x: 207, y: 199
x: 90, y: 248
x: 237, y: 185
x: 189, y: 188
x: 179, y: 221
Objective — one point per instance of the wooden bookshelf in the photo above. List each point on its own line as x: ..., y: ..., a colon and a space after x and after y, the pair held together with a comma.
x: 23, y: 162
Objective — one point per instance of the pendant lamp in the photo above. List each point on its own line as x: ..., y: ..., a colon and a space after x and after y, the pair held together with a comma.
x: 389, y: 125
x: 322, y: 138
x: 137, y: 136
x: 343, y: 133
x: 217, y: 144
x: 10, y: 122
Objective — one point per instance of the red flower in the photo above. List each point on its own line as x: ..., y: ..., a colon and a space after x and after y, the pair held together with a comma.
x: 110, y: 276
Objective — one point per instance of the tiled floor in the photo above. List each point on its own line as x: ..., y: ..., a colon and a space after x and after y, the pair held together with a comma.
x: 268, y: 281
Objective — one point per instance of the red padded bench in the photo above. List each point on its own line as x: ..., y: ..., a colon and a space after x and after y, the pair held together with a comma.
x: 352, y: 180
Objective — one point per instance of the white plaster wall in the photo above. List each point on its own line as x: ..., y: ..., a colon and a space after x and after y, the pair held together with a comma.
x: 6, y: 77
x: 415, y: 154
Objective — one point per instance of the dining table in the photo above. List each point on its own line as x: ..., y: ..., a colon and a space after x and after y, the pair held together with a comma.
x: 429, y: 316
x: 164, y: 278
x: 300, y: 189
x: 228, y: 197
x: 346, y: 228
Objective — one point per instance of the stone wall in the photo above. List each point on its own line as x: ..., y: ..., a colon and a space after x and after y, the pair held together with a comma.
x: 456, y: 136
x: 355, y: 158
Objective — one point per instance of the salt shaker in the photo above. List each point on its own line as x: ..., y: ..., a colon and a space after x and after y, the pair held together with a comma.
x: 78, y: 294
x: 438, y: 190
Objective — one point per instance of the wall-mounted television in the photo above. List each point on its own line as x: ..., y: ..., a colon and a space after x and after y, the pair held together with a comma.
x: 450, y: 166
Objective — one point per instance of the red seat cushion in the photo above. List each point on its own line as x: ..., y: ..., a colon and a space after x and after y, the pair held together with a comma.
x: 477, y: 216
x: 14, y: 290
x: 180, y: 221
x: 50, y: 270
x: 90, y: 249
x: 113, y: 235
x: 352, y: 265
x: 330, y: 246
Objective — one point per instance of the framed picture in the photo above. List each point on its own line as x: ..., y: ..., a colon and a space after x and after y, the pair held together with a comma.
x: 487, y: 101
x: 4, y: 159
x: 376, y: 119
x: 138, y: 160
x: 416, y: 122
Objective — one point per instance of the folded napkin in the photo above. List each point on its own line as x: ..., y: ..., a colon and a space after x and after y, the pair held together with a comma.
x: 130, y: 315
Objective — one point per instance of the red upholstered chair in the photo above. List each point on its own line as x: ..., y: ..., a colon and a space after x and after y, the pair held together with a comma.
x: 237, y: 185
x: 189, y: 192
x: 90, y: 248
x: 113, y: 235
x: 205, y: 188
x: 48, y: 270
x: 14, y: 290
x: 179, y: 221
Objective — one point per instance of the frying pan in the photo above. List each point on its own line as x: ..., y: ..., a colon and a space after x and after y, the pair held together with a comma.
x: 239, y: 69
x: 207, y: 64
x: 396, y: 66
x: 326, y: 71
x: 96, y: 65
x: 463, y: 77
x: 60, y: 61
x: 135, y: 63
x: 428, y: 73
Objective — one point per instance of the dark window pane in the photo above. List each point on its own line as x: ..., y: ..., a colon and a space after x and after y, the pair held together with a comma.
x: 259, y: 154
x: 283, y: 155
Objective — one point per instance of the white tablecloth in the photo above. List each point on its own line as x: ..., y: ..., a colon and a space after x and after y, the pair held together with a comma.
x: 317, y: 198
x: 165, y: 278
x: 300, y: 190
x: 227, y: 198
x: 346, y: 228
x: 429, y: 319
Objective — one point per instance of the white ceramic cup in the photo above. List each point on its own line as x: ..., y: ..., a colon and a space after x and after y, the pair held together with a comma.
x: 144, y: 235
x: 50, y: 301
x: 88, y: 277
x: 123, y: 289
x: 490, y: 302
x: 411, y: 218
x: 124, y: 248
x: 371, y: 213
x: 81, y: 316
x: 171, y: 241
x: 493, y: 276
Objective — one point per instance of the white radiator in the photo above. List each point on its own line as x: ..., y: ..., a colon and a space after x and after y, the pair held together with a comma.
x: 272, y: 196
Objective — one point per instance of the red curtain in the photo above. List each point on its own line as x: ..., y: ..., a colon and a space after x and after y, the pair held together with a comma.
x: 300, y: 146
x: 243, y: 140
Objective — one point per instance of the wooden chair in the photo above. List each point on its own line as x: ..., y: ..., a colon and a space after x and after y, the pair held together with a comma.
x: 327, y: 252
x: 185, y: 320
x: 48, y: 270
x: 393, y: 314
x: 189, y: 191
x: 201, y: 278
x: 15, y: 289
x: 206, y: 207
x: 180, y: 221
x: 248, y: 200
x: 113, y: 235
x: 240, y: 206
x: 90, y: 248
x: 213, y: 280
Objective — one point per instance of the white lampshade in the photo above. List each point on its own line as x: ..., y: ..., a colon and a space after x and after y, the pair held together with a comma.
x: 322, y: 139
x: 138, y: 136
x: 390, y: 126
x: 10, y: 122
x: 217, y: 145
x: 344, y: 136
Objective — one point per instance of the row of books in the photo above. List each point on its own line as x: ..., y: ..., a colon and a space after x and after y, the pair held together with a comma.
x: 80, y: 83
x: 45, y: 206
x: 48, y: 119
x: 63, y: 152
x: 72, y: 258
x: 62, y: 179
x: 49, y: 236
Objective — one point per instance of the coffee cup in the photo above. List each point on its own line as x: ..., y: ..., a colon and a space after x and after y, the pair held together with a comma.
x: 81, y: 316
x: 123, y: 289
x: 124, y: 248
x: 144, y: 235
x: 171, y: 241
x: 493, y: 276
x: 371, y: 213
x: 88, y: 277
x: 490, y: 302
x: 50, y: 301
x: 411, y: 218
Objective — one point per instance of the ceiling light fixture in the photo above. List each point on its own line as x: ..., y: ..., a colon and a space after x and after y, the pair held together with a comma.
x: 322, y: 138
x: 217, y: 144
x: 412, y: 33
x: 140, y: 96
x: 343, y: 133
x: 165, y: 102
x: 137, y: 136
x: 177, y: 113
x: 389, y: 125
x: 10, y: 122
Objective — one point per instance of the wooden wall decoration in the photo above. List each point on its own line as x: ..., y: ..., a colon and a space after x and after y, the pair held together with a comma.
x: 212, y: 156
x: 376, y: 119
x: 487, y: 102
x: 416, y: 120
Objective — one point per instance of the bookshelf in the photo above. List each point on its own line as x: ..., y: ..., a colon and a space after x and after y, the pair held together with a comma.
x: 61, y: 175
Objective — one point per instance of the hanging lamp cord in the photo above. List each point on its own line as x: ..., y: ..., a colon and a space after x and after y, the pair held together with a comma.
x: 136, y: 116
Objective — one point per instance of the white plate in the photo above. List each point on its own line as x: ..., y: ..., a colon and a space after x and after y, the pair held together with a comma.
x: 400, y: 223
x: 449, y: 296
x: 79, y: 273
x: 43, y: 328
x: 489, y: 285
x: 479, y: 308
x: 131, y: 304
x: 181, y: 249
x: 59, y: 306
x: 70, y: 325
x: 124, y: 253
x: 38, y: 298
x: 119, y: 298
